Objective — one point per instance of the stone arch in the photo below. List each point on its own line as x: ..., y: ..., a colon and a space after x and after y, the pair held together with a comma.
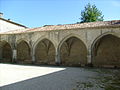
x: 42, y: 38
x: 100, y: 36
x: 106, y: 50
x: 71, y: 35
x: 44, y: 52
x: 23, y: 52
x: 5, y: 52
x: 73, y: 51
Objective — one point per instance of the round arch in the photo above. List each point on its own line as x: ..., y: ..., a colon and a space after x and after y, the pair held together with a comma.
x: 105, y: 50
x: 73, y: 51
x: 44, y: 51
x: 5, y: 52
x: 23, y: 52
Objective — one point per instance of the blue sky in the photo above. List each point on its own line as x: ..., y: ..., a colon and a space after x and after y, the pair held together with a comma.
x: 36, y: 13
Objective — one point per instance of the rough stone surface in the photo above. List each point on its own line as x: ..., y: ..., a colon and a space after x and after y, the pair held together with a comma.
x: 45, y: 52
x: 107, y: 51
x: 73, y: 52
x: 23, y: 52
x: 81, y: 52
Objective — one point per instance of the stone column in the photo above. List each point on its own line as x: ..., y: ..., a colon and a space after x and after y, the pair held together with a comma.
x: 89, y: 58
x: 33, y: 56
x: 0, y: 54
x: 57, y: 57
x: 14, y: 57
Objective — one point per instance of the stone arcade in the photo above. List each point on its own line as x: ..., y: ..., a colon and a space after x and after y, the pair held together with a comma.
x: 96, y: 43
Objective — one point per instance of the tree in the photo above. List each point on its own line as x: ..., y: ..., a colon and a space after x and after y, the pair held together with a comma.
x: 91, y: 14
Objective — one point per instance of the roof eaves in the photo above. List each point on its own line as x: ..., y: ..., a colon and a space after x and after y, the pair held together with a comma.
x: 13, y: 22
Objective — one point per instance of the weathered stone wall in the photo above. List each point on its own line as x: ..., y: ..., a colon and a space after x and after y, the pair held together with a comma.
x: 107, y: 51
x: 81, y: 52
x: 73, y: 52
x: 23, y: 52
x: 5, y: 52
x: 45, y: 52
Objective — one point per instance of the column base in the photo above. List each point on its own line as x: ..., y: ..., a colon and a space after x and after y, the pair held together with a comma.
x: 89, y: 65
x: 58, y: 63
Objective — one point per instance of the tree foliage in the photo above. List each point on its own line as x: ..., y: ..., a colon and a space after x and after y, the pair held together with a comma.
x: 91, y: 14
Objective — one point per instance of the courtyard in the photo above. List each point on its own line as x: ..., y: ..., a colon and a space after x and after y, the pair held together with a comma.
x: 26, y: 77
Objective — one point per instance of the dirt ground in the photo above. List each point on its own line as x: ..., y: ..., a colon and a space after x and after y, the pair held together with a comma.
x: 24, y: 77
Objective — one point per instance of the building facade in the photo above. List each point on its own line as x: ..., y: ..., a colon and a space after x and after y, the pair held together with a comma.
x: 95, y: 43
x: 8, y: 25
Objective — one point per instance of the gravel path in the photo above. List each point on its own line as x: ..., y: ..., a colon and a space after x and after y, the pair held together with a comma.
x: 19, y: 77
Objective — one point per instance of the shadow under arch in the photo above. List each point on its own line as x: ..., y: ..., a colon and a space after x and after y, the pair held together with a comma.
x: 68, y: 36
x: 23, y: 52
x: 73, y: 51
x: 5, y: 52
x: 40, y: 39
x: 105, y: 50
x: 44, y: 51
x: 22, y: 39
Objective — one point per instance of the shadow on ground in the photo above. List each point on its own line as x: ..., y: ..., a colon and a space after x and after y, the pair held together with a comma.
x: 70, y: 79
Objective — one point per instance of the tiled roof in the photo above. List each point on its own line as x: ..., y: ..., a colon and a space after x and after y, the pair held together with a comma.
x: 68, y: 26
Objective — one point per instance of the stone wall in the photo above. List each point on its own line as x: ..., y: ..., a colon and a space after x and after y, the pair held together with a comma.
x: 23, y: 52
x: 45, y: 52
x: 73, y: 47
x: 107, y: 51
x: 73, y: 52
x: 5, y: 52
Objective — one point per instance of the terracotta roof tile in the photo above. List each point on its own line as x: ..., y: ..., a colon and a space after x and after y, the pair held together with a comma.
x: 67, y: 26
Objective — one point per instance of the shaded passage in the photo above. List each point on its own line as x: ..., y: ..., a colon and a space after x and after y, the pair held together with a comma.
x: 23, y: 52
x: 106, y: 51
x: 5, y: 52
x: 73, y: 52
x: 45, y: 52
